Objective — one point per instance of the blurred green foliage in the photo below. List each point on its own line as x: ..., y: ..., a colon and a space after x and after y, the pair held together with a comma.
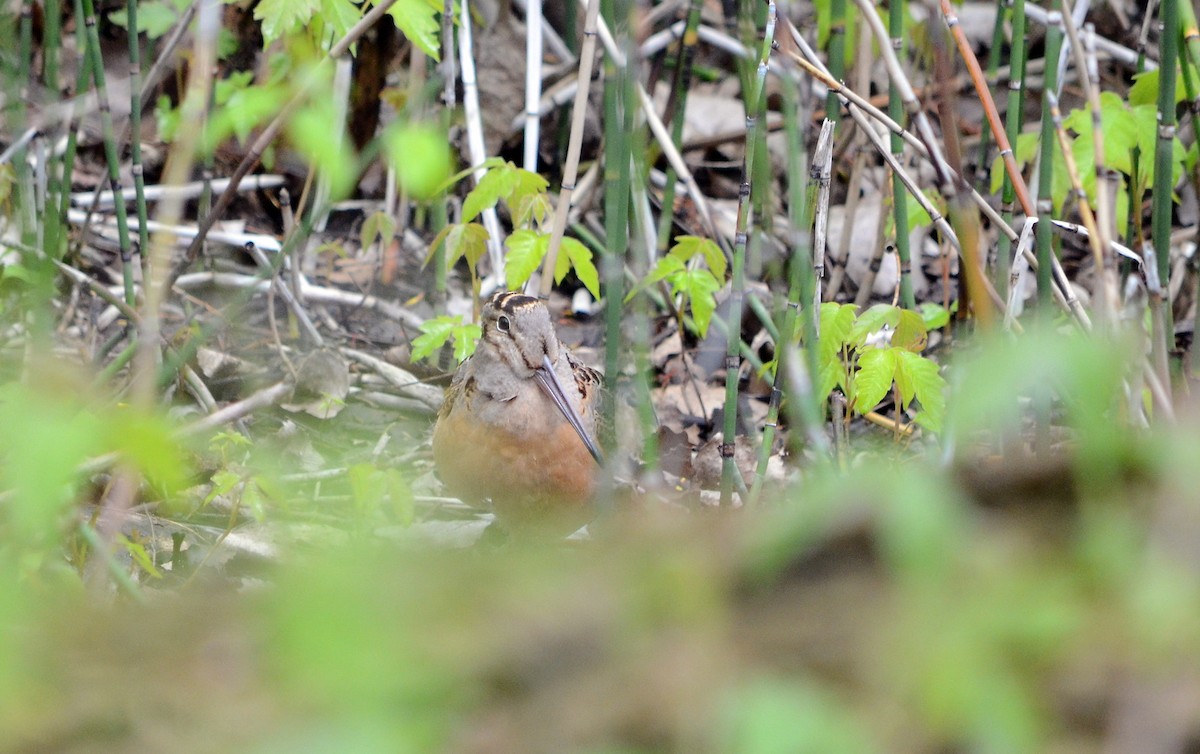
x: 898, y: 605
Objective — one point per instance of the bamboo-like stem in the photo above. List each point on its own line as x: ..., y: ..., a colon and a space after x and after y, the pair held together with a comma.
x: 755, y: 106
x: 533, y: 82
x: 1045, y: 252
x: 587, y: 57
x: 51, y: 42
x: 620, y: 104
x: 820, y: 175
x: 135, y: 120
x: 68, y: 160
x: 475, y: 145
x: 837, y: 56
x: 439, y: 211
x: 993, y: 65
x: 1163, y: 335
x: 677, y: 109
x: 110, y: 145
x: 1013, y: 118
x: 897, y: 12
x: 1162, y: 202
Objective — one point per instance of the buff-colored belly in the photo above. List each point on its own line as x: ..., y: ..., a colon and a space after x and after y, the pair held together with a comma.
x: 541, y: 480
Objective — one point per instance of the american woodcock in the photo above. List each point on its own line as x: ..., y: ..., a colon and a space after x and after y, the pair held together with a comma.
x: 518, y: 424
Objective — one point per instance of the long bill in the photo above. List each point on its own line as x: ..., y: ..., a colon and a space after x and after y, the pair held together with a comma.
x: 547, y: 380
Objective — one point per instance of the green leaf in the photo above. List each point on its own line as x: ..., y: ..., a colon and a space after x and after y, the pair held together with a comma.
x: 873, y: 380
x: 378, y: 226
x: 325, y: 146
x: 526, y: 249
x: 435, y: 334
x: 872, y: 320
x: 911, y: 332
x: 916, y: 214
x: 1145, y: 86
x: 687, y: 247
x: 438, y: 331
x: 531, y: 211
x: 495, y: 185
x: 154, y: 18
x: 666, y: 267
x: 466, y: 337
x: 146, y: 442
x: 468, y: 241
x: 836, y: 322
x: 45, y: 438
x: 421, y: 157
x: 339, y: 16
x: 699, y: 287
x: 927, y: 385
x: 581, y: 261
x: 245, y: 107
x: 934, y: 315
x: 418, y: 20
x: 831, y: 376
x: 527, y: 200
x: 280, y: 17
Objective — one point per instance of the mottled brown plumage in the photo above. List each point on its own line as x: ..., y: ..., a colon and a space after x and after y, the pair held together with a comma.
x: 518, y: 425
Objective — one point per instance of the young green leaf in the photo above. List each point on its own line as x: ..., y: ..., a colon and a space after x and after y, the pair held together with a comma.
x: 418, y: 20
x: 280, y: 17
x: 466, y: 337
x: 911, y: 332
x: 687, y: 247
x: 876, y: 370
x: 580, y: 258
x: 699, y: 287
x: 438, y: 331
x: 378, y: 226
x: 468, y: 241
x: 837, y: 320
x: 927, y: 385
x: 528, y: 196
x: 339, y: 16
x: 872, y: 320
x: 526, y: 249
x: 421, y: 157
x: 495, y: 185
x: 934, y: 315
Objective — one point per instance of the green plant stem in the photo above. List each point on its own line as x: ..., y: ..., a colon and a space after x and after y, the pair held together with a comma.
x: 993, y: 65
x: 801, y: 287
x: 1162, y: 201
x: 1045, y: 205
x: 837, y: 56
x: 51, y: 42
x: 618, y: 111
x: 755, y: 107
x: 110, y: 148
x: 677, y: 106
x: 897, y: 10
x: 135, y: 122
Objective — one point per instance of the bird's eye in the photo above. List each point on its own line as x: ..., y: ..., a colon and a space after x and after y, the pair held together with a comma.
x: 502, y: 323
